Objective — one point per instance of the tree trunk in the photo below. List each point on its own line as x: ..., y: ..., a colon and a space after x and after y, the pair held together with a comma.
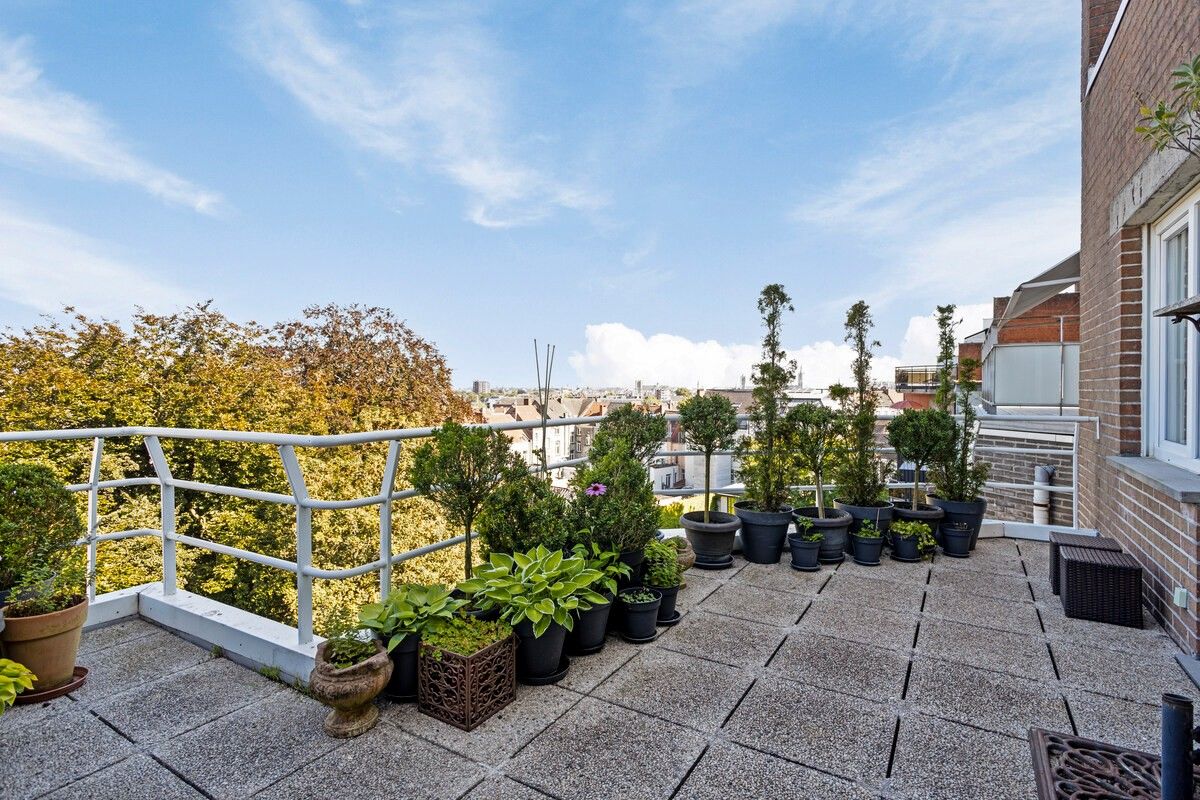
x: 707, y: 464
x: 467, y: 559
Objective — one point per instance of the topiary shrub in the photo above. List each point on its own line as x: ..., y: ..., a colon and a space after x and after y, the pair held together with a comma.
x: 39, y: 523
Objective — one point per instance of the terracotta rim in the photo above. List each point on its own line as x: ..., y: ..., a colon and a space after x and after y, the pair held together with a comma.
x: 27, y: 698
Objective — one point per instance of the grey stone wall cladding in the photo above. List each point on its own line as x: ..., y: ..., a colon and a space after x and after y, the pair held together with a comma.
x: 1016, y: 505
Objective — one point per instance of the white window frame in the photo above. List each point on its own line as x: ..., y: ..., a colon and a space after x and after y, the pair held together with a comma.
x: 1184, y: 214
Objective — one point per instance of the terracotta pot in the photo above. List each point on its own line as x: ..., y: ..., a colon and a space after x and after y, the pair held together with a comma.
x: 350, y: 691
x: 47, y: 644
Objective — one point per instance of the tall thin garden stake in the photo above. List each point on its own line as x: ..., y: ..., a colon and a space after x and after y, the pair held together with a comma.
x: 544, y: 395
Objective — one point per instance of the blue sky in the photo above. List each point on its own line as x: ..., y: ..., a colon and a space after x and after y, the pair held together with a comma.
x: 619, y: 178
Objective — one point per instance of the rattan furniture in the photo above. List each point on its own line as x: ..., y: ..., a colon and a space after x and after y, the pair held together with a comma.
x: 1101, y: 585
x: 1059, y: 538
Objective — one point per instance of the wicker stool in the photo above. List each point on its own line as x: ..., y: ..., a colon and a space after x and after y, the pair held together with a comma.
x: 1101, y: 585
x: 1058, y: 539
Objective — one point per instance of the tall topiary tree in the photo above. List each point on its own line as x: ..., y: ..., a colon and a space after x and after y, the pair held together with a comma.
x: 642, y: 432
x: 709, y: 424
x: 861, y: 476
x: 944, y: 398
x: 955, y: 472
x: 459, y: 468
x: 39, y: 523
x: 920, y: 436
x: 817, y: 436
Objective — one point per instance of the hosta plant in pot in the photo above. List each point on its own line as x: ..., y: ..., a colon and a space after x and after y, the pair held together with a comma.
x: 467, y: 671
x: 613, y: 506
x: 767, y: 465
x: 587, y: 635
x: 861, y: 476
x: 709, y: 424
x: 806, y: 544
x: 640, y: 618
x: 14, y: 679
x: 868, y: 544
x: 350, y: 670
x: 912, y: 540
x: 538, y: 593
x: 663, y: 573
x: 409, y: 612
x: 817, y: 440
x: 918, y: 436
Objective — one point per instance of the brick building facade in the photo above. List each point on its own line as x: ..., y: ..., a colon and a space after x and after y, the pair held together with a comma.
x: 1127, y: 490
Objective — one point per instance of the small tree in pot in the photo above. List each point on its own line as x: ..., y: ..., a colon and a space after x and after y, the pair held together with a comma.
x: 767, y: 466
x: 956, y: 475
x: 614, y: 506
x: 641, y: 431
x: 919, y: 436
x: 709, y: 424
x: 523, y: 512
x: 817, y: 438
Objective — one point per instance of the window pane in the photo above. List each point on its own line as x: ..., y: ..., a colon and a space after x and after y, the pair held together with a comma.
x: 1175, y: 347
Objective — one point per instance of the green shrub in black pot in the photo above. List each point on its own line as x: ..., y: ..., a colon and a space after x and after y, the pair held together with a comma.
x: 868, y: 544
x: 613, y: 505
x: 409, y: 612
x: 911, y: 540
x: 523, y: 512
x: 805, y: 545
x: 817, y: 440
x: 767, y: 464
x: 918, y: 436
x: 587, y: 635
x: 664, y: 574
x: 709, y: 424
x: 639, y: 618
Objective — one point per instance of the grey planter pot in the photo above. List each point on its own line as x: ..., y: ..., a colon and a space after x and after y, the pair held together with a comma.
x: 956, y: 540
x: 970, y: 513
x: 881, y: 515
x: 763, y: 532
x: 930, y: 515
x: 835, y: 526
x: 713, y: 540
x: 867, y: 552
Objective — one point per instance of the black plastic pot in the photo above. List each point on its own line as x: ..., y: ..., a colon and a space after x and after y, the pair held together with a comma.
x: 763, y: 532
x: 666, y: 610
x: 588, y: 634
x: 713, y: 540
x: 867, y: 552
x: 805, y: 554
x: 539, y: 657
x: 969, y: 513
x: 956, y: 539
x: 635, y: 559
x: 881, y: 515
x: 835, y: 525
x: 905, y: 549
x: 402, y: 686
x: 638, y: 620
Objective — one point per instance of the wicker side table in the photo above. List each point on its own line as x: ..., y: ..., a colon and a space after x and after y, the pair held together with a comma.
x: 1101, y: 585
x: 1062, y: 539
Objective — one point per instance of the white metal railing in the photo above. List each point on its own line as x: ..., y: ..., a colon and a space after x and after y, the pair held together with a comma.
x: 304, y: 504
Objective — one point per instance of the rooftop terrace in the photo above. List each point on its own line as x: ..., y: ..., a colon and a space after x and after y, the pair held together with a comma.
x: 900, y: 681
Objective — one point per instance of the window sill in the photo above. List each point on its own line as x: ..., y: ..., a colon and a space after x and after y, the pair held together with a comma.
x: 1175, y: 482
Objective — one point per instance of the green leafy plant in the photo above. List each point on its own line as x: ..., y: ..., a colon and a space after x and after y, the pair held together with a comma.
x: 607, y: 562
x: 919, y: 436
x: 806, y: 530
x: 1175, y: 124
x: 638, y: 595
x: 460, y: 468
x: 662, y: 565
x: 955, y: 473
x: 542, y: 586
x: 47, y: 589
x: 908, y: 529
x: 862, y: 475
x: 668, y: 515
x: 709, y: 424
x: 817, y: 438
x: 39, y: 522
x: 409, y: 609
x: 347, y: 647
x: 766, y: 464
x: 14, y: 679
x: 868, y: 530
x: 613, y: 504
x: 466, y: 636
x: 641, y: 431
x: 523, y: 512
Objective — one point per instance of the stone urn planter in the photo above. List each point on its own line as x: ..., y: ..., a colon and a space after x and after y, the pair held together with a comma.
x: 712, y: 541
x: 350, y: 691
x: 46, y: 644
x: 687, y: 554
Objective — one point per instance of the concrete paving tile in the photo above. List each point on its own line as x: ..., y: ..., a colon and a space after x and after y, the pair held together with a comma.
x: 700, y: 585
x: 992, y: 700
x: 1013, y: 588
x: 117, y: 633
x: 729, y: 770
x: 56, y: 751
x: 148, y: 657
x: 677, y: 687
x: 850, y: 667
x: 600, y: 751
x: 939, y: 760
x: 252, y: 748
x: 1036, y: 556
x: 736, y: 642
x: 996, y: 556
x: 782, y: 578
x: 833, y: 732
x: 860, y: 623
x: 501, y: 788
x: 756, y: 604
x: 24, y: 716
x: 1146, y: 640
x: 535, y: 708
x: 1142, y: 678
x: 887, y: 570
x: 381, y: 764
x: 984, y: 611
x: 1003, y: 651
x: 587, y: 672
x: 888, y: 595
x: 184, y: 700
x: 138, y: 777
x: 1120, y: 722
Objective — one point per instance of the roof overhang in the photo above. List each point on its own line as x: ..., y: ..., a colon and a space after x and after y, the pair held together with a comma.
x: 1031, y: 294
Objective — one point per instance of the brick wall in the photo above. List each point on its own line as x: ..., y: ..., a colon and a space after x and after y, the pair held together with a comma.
x: 1016, y: 505
x: 1155, y: 36
x: 1041, y: 323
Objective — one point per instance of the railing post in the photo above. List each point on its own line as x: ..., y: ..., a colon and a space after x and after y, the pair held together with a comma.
x: 1075, y: 477
x: 385, y: 519
x: 166, y: 499
x: 93, y: 523
x: 304, y: 581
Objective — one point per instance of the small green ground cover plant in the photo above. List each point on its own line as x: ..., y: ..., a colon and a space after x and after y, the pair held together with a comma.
x: 638, y: 595
x: 466, y: 636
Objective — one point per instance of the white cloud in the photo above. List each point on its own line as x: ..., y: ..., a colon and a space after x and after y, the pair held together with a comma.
x: 436, y: 102
x: 39, y: 123
x: 47, y: 267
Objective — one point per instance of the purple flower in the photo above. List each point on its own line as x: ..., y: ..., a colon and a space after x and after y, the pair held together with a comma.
x: 596, y: 489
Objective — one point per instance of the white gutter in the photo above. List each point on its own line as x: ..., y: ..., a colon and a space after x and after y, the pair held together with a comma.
x: 1094, y: 69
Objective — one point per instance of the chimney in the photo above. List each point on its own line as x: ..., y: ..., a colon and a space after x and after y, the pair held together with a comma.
x: 1098, y: 16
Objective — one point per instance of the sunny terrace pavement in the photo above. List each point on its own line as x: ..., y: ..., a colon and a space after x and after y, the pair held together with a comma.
x: 901, y: 681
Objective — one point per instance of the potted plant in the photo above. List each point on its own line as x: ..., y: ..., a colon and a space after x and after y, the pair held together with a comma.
x: 767, y: 465
x: 350, y: 672
x: 640, y: 432
x: 459, y: 469
x: 709, y: 424
x: 14, y: 679
x: 861, y: 476
x: 523, y: 512
x: 409, y: 612
x: 868, y: 544
x: 956, y: 539
x: 587, y: 635
x: 663, y: 573
x: 806, y: 544
x: 912, y: 540
x: 918, y: 436
x: 538, y: 594
x: 613, y: 506
x: 816, y: 439
x: 640, y: 618
x: 467, y: 671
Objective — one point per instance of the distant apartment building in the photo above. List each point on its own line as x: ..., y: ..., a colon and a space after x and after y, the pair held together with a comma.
x: 481, y: 387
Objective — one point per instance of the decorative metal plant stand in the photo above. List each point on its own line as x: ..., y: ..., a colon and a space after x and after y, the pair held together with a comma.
x: 464, y: 691
x: 1074, y: 768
